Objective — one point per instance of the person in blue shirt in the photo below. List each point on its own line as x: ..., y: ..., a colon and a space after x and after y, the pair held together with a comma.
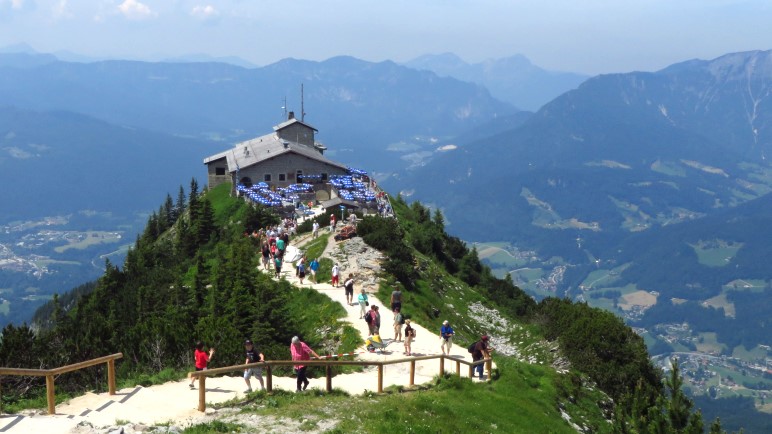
x: 314, y: 266
x: 446, y: 337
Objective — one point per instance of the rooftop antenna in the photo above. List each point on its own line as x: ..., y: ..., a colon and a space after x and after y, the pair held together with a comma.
x: 284, y: 107
x: 302, y: 105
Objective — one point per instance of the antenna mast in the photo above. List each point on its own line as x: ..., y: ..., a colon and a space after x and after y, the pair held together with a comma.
x: 302, y: 105
x: 284, y: 107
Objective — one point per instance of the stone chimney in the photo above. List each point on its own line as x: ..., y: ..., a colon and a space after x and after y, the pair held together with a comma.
x: 290, y: 116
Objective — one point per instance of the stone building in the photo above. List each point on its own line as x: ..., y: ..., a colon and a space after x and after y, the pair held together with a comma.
x: 287, y: 156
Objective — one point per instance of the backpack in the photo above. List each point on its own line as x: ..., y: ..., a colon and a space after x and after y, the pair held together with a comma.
x: 471, y: 347
x: 368, y: 318
x: 401, y: 320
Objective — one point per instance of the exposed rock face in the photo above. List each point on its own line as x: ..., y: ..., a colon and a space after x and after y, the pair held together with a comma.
x: 354, y: 256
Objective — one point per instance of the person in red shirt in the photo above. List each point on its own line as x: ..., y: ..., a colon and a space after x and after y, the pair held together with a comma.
x: 202, y: 359
x: 301, y: 351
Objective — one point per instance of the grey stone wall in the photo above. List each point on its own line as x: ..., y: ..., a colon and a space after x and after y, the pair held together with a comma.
x: 213, y: 178
x: 298, y: 133
x: 288, y: 165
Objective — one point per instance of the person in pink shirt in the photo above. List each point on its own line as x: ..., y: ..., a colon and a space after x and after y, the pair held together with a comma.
x: 300, y: 351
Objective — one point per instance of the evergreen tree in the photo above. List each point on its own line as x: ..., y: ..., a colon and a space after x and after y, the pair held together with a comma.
x: 179, y: 207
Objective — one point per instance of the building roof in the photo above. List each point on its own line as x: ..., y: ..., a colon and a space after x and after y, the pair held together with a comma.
x: 257, y: 150
x: 337, y: 201
x: 289, y: 122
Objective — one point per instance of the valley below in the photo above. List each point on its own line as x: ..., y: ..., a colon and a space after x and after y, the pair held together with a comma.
x: 710, y: 367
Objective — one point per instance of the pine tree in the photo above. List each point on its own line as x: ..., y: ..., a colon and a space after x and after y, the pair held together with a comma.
x: 179, y: 207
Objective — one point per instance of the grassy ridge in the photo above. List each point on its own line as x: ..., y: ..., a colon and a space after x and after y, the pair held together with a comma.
x: 522, y: 399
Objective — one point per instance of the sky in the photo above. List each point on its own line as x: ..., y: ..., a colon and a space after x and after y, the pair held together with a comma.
x: 586, y: 36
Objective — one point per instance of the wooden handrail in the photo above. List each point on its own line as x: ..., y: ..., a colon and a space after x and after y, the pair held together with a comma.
x: 269, y: 364
x: 50, y: 373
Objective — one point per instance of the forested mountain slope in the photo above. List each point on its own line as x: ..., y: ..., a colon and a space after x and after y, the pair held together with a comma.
x: 192, y: 273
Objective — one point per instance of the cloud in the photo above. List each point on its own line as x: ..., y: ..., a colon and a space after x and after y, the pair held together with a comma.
x: 17, y: 5
x: 207, y: 12
x: 62, y: 10
x: 135, y: 10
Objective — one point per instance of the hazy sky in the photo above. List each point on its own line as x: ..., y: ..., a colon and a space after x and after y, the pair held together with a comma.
x: 590, y: 36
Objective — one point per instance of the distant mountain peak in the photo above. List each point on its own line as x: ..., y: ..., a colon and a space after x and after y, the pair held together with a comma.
x: 513, y: 79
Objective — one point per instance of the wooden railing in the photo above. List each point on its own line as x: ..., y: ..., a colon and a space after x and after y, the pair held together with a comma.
x: 50, y: 373
x: 328, y: 364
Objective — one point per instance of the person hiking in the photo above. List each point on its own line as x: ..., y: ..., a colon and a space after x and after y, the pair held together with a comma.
x: 348, y: 287
x: 253, y: 356
x: 409, y: 335
x: 277, y: 264
x: 446, y: 336
x: 335, y: 275
x: 301, y: 272
x: 300, y: 351
x: 202, y: 360
x: 266, y: 251
x: 373, y: 320
x: 481, y: 351
x: 398, y: 321
x: 314, y: 267
x: 363, y: 303
x: 315, y: 230
x: 396, y: 300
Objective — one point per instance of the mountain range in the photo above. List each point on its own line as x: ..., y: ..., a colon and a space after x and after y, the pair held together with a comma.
x: 513, y: 79
x: 625, y: 173
x: 359, y: 107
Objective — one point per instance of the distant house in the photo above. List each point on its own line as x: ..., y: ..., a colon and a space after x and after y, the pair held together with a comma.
x: 287, y: 156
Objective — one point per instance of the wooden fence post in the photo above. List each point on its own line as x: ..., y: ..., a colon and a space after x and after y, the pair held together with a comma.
x: 269, y: 379
x: 412, y: 373
x: 442, y: 366
x: 458, y: 368
x: 329, y: 378
x: 50, y: 396
x: 111, y: 376
x: 202, y: 393
x: 471, y: 372
x: 380, y: 378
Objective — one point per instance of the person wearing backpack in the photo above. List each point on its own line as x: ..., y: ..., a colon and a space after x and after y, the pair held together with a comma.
x: 480, y: 351
x: 301, y: 271
x: 409, y: 336
x: 373, y: 320
x: 446, y: 336
x: 398, y: 321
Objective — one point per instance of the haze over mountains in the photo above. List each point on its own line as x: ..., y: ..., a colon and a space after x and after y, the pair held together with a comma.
x: 347, y: 99
x: 512, y: 79
x: 623, y: 174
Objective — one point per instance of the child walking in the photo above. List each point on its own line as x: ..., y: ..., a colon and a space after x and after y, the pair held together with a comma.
x: 202, y: 360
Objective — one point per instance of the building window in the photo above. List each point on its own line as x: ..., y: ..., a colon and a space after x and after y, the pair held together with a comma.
x: 219, y: 171
x: 324, y: 176
x: 282, y: 177
x: 267, y: 177
x: 300, y: 176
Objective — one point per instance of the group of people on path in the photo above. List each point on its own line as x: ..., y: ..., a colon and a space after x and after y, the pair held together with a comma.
x: 299, y: 350
x: 272, y: 249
